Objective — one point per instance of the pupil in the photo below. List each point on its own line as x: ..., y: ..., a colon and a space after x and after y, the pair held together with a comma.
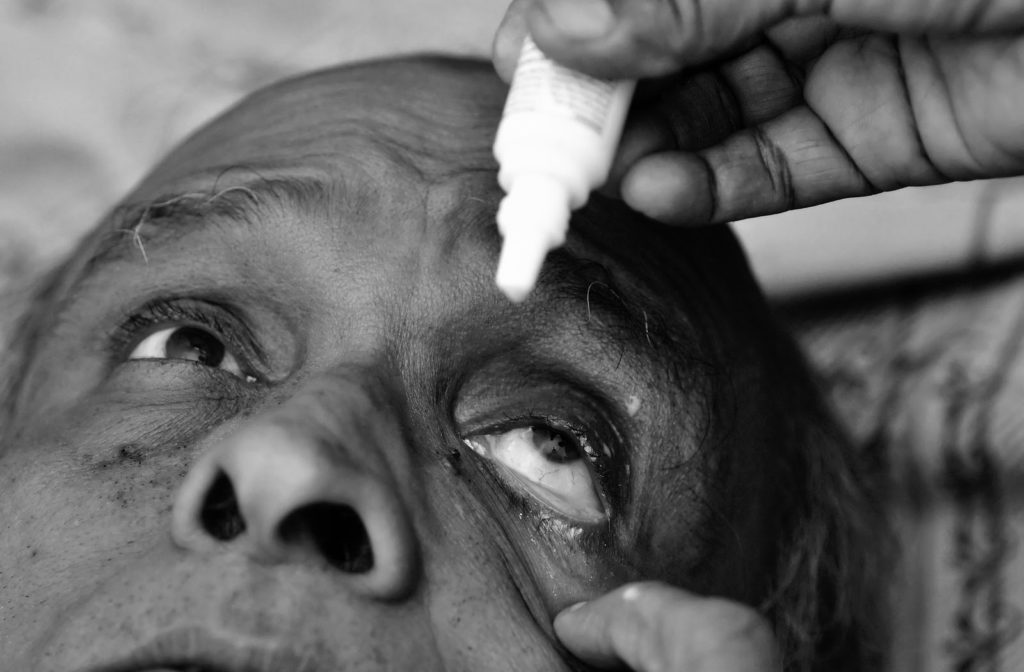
x: 195, y: 345
x: 553, y: 445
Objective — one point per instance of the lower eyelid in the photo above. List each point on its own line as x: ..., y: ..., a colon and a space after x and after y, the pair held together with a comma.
x: 585, y: 537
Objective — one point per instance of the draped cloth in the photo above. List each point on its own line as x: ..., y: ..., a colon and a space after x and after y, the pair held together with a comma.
x: 930, y: 381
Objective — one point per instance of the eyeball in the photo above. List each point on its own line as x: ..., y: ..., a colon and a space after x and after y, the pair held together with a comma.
x: 549, y: 464
x: 191, y: 344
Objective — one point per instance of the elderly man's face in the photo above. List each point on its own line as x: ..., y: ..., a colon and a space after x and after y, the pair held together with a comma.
x: 277, y: 416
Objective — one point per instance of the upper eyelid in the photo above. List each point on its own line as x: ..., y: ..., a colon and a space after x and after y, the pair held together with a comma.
x: 602, y: 463
x: 148, y: 318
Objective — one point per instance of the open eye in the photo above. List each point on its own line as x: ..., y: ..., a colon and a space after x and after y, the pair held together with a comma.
x: 189, y: 343
x: 550, y: 464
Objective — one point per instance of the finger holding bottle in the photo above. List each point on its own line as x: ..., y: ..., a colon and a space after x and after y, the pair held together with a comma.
x: 635, y: 39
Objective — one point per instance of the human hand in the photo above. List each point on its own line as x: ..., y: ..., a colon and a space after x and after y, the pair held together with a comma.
x: 653, y: 627
x: 755, y: 107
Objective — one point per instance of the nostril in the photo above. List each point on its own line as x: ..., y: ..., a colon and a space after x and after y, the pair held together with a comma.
x: 220, y: 514
x: 337, y: 532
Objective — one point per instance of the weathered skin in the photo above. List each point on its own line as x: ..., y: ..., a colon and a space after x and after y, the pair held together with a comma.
x: 371, y: 342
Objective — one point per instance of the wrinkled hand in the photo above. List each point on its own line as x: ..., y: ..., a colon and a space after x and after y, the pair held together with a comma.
x: 759, y: 106
x: 652, y: 627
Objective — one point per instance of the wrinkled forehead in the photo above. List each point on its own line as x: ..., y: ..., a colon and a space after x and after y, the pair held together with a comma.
x: 417, y: 132
x: 399, y: 152
x: 420, y: 120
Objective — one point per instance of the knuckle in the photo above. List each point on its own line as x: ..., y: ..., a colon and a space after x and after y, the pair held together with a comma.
x: 685, y: 27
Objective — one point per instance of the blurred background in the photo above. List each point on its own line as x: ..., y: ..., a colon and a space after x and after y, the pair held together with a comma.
x: 93, y: 92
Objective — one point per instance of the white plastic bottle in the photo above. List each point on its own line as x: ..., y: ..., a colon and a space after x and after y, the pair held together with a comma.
x: 555, y: 143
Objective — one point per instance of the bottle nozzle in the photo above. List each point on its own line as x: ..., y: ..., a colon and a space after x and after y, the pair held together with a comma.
x: 533, y: 219
x: 519, y: 266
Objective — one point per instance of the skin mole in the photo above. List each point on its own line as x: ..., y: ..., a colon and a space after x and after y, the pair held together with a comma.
x: 129, y: 453
x: 263, y: 386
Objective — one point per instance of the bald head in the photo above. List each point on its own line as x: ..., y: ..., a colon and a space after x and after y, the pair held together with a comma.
x: 274, y: 408
x: 438, y: 115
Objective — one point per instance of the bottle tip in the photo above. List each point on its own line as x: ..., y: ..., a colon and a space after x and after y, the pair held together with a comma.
x: 533, y: 219
x: 519, y: 266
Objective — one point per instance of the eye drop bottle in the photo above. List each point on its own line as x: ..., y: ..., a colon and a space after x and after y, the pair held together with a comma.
x: 555, y: 143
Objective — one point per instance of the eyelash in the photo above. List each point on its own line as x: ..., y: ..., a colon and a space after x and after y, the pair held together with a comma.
x: 213, y: 317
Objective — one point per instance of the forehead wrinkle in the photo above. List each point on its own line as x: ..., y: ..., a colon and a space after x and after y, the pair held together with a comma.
x: 434, y: 150
x: 470, y: 217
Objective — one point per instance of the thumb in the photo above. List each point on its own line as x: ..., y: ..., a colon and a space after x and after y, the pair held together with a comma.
x: 634, y: 39
x: 508, y: 40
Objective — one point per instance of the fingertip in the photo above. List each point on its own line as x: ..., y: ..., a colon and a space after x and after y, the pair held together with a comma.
x: 570, y: 614
x: 581, y: 628
x: 589, y: 36
x: 612, y: 39
x: 671, y: 187
x: 574, y: 607
x: 504, y: 56
x: 640, y: 138
x: 631, y: 593
x: 508, y: 40
x: 576, y: 20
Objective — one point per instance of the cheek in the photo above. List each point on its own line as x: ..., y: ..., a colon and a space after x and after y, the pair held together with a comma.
x: 68, y: 528
x: 108, y: 467
x: 486, y: 611
x: 496, y: 579
x: 81, y: 500
x: 72, y: 509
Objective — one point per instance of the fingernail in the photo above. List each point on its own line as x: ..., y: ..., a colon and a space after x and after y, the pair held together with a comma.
x: 580, y: 19
x: 575, y: 607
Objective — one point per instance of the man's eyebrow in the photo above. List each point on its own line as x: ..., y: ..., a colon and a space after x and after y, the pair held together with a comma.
x: 618, y: 312
x: 133, y: 228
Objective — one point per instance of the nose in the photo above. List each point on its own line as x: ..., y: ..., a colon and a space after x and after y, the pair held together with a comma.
x: 311, y: 481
